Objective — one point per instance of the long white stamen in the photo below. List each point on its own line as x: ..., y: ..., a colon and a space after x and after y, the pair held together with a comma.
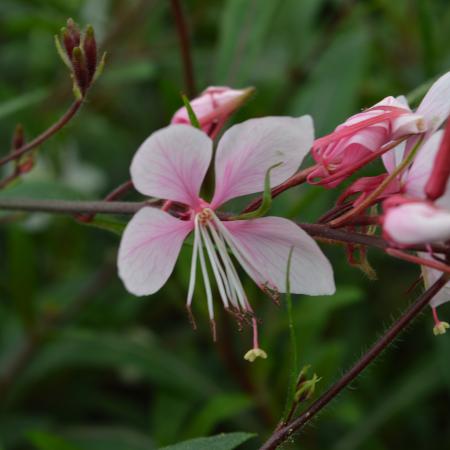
x: 214, y: 264
x: 193, y: 264
x: 233, y: 277
x: 230, y: 291
x: 242, y: 259
x: 206, y: 281
x: 226, y: 262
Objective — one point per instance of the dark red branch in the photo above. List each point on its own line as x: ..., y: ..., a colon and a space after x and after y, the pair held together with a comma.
x: 185, y: 49
x: 279, y: 436
x: 69, y: 114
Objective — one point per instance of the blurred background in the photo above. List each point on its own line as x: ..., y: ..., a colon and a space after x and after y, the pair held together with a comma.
x: 86, y: 366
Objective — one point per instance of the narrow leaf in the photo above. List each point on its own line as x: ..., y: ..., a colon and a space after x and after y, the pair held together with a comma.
x: 192, y: 117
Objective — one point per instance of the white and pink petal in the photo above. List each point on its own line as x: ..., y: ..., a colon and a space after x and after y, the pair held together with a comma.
x: 149, y: 248
x: 172, y: 163
x: 266, y: 243
x: 247, y: 151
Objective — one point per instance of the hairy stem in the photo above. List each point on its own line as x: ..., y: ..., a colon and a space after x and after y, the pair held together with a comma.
x: 64, y: 120
x: 318, y: 231
x: 280, y: 435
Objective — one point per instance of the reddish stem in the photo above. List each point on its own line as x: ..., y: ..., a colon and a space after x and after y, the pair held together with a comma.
x: 281, y: 435
x: 68, y: 115
x: 183, y: 36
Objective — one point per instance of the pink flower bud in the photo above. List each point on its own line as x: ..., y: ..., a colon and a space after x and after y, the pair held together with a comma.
x: 213, y: 107
x: 437, y: 183
x: 416, y: 222
x: 360, y: 137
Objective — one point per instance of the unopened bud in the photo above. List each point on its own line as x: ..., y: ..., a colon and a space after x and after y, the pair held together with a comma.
x: 254, y: 353
x: 441, y: 328
x: 18, y: 139
x: 306, y: 389
x: 70, y: 37
x: 90, y: 51
x: 80, y: 72
x: 437, y: 183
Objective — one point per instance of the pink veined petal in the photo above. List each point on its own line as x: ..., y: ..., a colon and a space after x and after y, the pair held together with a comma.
x: 417, y: 176
x: 247, y: 150
x: 435, y: 106
x: 430, y: 276
x: 149, y: 249
x: 266, y: 243
x: 392, y: 158
x: 172, y: 163
x: 416, y: 223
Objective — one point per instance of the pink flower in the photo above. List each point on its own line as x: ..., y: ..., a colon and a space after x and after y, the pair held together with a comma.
x: 213, y: 107
x: 172, y: 164
x: 364, y: 136
x: 359, y: 137
x: 416, y: 222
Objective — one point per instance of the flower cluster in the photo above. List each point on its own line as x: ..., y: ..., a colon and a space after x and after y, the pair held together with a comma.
x: 171, y: 165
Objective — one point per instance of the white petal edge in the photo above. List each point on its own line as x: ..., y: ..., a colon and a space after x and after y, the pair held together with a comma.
x: 150, y: 245
x: 172, y: 163
x: 266, y: 243
x: 247, y: 151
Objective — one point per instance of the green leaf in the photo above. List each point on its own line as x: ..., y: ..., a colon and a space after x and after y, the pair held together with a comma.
x: 106, y: 223
x: 332, y: 92
x: 41, y: 190
x: 220, y: 442
x: 141, y: 353
x: 266, y: 199
x: 243, y: 31
x: 109, y: 437
x: 132, y: 72
x: 192, y: 117
x: 218, y: 409
x: 20, y: 102
x: 46, y: 441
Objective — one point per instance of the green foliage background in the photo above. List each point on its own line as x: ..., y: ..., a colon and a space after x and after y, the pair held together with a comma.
x: 105, y: 370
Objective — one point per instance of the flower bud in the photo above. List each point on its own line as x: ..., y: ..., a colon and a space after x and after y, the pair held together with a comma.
x: 213, y: 107
x: 340, y: 153
x: 18, y: 139
x: 80, y: 71
x: 437, y: 182
x: 71, y: 37
x: 306, y: 389
x: 90, y: 51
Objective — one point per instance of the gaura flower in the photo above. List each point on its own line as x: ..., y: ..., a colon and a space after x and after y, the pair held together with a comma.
x: 366, y: 135
x: 416, y: 222
x: 360, y: 137
x: 213, y: 107
x: 171, y: 164
x: 410, y: 219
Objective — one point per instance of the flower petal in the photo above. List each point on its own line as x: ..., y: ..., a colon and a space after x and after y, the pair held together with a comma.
x: 266, y: 243
x: 420, y: 171
x: 392, y: 158
x: 430, y: 276
x: 416, y: 223
x: 435, y: 106
x: 247, y: 151
x: 172, y: 163
x: 149, y: 249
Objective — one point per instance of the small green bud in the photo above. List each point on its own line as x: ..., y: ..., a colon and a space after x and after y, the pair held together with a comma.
x: 306, y: 389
